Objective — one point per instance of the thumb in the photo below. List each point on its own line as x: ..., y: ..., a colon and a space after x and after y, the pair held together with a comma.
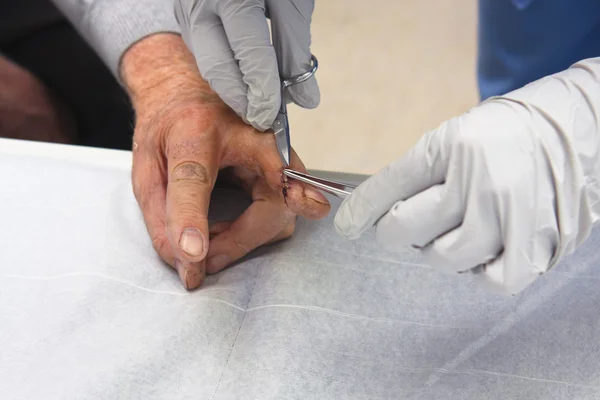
x: 290, y: 22
x: 422, y: 167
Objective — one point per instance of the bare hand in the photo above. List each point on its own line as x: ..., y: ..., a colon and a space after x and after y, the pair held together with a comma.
x: 184, y: 136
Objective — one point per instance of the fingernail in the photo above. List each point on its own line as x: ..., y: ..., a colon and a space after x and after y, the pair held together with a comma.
x: 216, y: 263
x: 191, y: 242
x: 190, y: 277
x: 315, y: 195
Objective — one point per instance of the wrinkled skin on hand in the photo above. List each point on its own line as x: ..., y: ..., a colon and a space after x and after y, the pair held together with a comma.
x: 182, y: 140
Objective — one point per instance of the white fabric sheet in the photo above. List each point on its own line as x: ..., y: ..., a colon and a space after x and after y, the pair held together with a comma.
x: 87, y: 310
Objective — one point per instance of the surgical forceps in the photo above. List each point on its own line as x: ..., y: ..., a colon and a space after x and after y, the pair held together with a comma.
x: 338, y: 189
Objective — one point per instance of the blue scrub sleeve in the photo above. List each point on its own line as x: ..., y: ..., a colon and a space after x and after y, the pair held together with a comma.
x: 520, y: 41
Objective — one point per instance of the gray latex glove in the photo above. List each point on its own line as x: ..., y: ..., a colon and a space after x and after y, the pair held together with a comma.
x: 504, y: 190
x: 232, y: 45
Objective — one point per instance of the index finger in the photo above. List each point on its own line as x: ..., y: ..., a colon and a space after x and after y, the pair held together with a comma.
x: 264, y: 159
x: 303, y: 199
x: 265, y: 220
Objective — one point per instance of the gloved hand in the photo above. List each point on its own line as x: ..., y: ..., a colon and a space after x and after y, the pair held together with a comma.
x: 505, y: 190
x: 231, y: 42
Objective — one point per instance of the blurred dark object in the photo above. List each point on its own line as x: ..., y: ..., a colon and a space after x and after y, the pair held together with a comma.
x: 34, y: 35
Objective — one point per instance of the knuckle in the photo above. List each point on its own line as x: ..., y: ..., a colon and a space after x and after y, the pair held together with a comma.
x: 137, y: 182
x: 140, y: 193
x: 504, y: 184
x: 145, y: 194
x: 241, y: 245
x: 161, y: 244
x: 286, y: 233
x: 190, y: 171
x: 469, y: 141
x: 187, y: 213
x: 190, y: 133
x: 188, y: 208
x: 136, y: 186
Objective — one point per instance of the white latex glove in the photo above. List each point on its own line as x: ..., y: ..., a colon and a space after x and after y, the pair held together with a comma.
x: 232, y: 45
x: 505, y: 190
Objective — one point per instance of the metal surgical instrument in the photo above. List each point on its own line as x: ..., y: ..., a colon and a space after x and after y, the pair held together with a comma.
x: 338, y: 189
x: 281, y: 126
x: 281, y: 129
